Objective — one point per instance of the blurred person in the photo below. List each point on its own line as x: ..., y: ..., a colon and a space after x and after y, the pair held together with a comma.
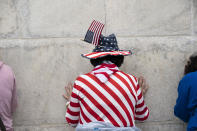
x: 8, y: 98
x: 186, y: 103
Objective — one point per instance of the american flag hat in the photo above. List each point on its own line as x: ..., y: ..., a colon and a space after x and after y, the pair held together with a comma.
x: 107, y: 45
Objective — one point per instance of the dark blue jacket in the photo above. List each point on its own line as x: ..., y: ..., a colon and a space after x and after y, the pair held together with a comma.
x: 186, y: 103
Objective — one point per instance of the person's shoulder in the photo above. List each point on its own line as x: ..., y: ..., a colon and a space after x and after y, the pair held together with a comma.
x: 6, y: 68
x: 190, y: 76
x: 83, y: 75
x: 130, y: 76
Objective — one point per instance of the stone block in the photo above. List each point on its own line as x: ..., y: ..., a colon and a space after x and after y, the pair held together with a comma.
x: 148, y: 17
x: 68, y: 18
x: 44, y: 128
x: 162, y: 126
x: 8, y: 18
x: 195, y: 16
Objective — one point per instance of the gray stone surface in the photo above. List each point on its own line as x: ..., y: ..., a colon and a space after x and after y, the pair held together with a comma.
x: 42, y: 71
x: 63, y: 18
x: 44, y: 66
x: 8, y: 18
x: 162, y: 126
x: 148, y: 17
x: 45, y: 128
x: 195, y: 16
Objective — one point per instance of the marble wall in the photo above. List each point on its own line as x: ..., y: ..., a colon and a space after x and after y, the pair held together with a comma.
x: 40, y: 40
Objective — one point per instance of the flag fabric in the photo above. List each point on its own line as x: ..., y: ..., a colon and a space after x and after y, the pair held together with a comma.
x: 94, y: 32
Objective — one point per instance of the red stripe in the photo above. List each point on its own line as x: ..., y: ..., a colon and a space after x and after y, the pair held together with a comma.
x: 80, y: 121
x: 140, y: 105
x: 72, y: 113
x: 106, y: 53
x: 115, y: 96
x: 89, y: 109
x: 71, y: 121
x: 109, y: 65
x: 141, y: 112
x: 127, y: 85
x: 74, y: 104
x: 111, y: 52
x: 103, y: 65
x: 111, y: 119
x: 138, y: 86
x: 142, y: 119
x: 140, y: 96
x: 74, y: 95
x: 84, y: 116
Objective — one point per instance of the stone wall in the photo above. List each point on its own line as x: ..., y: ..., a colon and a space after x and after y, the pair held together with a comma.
x: 40, y: 40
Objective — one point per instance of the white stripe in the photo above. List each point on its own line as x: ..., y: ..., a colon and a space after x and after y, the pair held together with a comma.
x: 141, y: 108
x: 74, y: 109
x: 74, y: 100
x: 108, y: 96
x: 140, y: 101
x: 71, y: 117
x: 139, y: 91
x: 99, y: 100
x: 94, y: 108
x: 75, y: 91
x: 133, y: 88
x: 143, y: 115
x: 87, y: 114
x: 122, y: 98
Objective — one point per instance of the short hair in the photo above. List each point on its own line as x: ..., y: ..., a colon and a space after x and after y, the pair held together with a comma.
x: 117, y: 60
x: 191, y: 65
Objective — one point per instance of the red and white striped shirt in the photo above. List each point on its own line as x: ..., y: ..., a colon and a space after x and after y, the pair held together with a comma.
x: 118, y: 101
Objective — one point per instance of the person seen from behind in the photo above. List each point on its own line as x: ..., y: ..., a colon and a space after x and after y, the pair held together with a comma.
x: 106, y: 98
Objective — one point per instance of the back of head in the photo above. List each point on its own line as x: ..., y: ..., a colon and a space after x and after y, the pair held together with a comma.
x: 191, y: 65
x: 117, y: 60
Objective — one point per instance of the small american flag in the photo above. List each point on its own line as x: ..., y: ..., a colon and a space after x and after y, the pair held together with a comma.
x: 94, y: 32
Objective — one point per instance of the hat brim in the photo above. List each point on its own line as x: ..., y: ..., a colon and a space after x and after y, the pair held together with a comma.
x: 95, y: 55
